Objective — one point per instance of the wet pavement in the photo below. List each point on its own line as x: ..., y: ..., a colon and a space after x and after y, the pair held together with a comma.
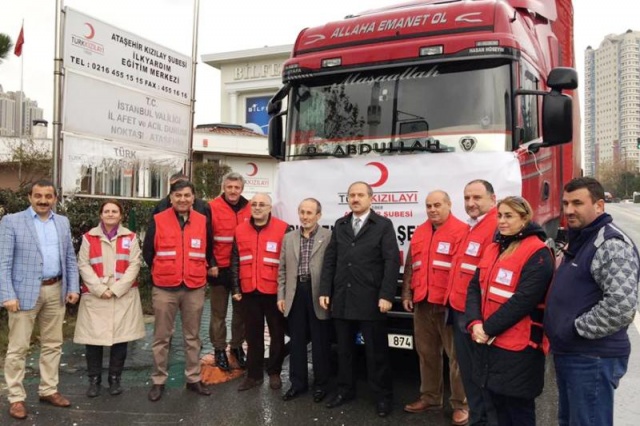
x: 258, y: 406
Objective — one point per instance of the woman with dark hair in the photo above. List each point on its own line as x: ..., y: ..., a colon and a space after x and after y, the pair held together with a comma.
x: 505, y: 307
x: 110, y: 312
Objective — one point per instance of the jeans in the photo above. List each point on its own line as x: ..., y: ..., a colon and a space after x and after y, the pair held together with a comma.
x: 585, y: 388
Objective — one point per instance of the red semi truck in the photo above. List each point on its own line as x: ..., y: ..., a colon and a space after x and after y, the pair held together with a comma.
x: 429, y: 80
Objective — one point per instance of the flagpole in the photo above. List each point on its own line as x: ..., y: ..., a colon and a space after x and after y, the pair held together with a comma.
x: 194, y: 63
x: 57, y: 97
x: 20, y: 118
x: 20, y: 115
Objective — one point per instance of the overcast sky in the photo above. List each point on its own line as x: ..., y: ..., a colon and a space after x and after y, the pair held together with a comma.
x: 225, y: 26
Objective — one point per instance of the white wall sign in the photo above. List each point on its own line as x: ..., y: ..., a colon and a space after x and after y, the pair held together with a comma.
x: 400, y: 183
x: 94, y: 107
x: 81, y: 153
x: 104, y: 51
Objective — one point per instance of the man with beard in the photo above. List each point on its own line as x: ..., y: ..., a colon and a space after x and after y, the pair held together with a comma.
x: 38, y: 273
x: 359, y: 280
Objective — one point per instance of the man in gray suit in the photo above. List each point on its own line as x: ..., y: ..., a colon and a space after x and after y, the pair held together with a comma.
x: 38, y: 273
x: 299, y: 300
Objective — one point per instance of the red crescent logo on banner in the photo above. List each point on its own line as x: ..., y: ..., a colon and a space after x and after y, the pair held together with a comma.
x: 254, y: 169
x: 384, y: 173
x: 92, y: 32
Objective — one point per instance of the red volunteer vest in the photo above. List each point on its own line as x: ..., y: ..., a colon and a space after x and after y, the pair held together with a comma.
x: 180, y: 254
x: 499, y: 279
x: 259, y: 255
x: 123, y: 255
x: 431, y: 255
x: 467, y: 258
x: 224, y: 221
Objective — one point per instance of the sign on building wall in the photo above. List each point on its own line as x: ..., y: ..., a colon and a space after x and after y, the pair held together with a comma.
x: 256, y: 113
x: 99, y: 167
x: 107, y: 52
x: 259, y: 175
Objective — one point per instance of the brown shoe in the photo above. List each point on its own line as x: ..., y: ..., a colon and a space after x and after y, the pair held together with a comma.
x: 17, y: 410
x: 460, y: 417
x: 421, y: 406
x: 275, y: 382
x: 56, y: 399
x: 249, y: 383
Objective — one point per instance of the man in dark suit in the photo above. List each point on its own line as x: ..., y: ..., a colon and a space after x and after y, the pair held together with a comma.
x: 360, y: 289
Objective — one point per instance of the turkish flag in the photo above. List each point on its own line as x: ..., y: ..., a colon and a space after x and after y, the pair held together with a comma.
x: 19, y: 43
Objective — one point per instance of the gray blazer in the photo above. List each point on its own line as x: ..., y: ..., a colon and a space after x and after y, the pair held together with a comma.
x: 288, y: 273
x: 21, y: 259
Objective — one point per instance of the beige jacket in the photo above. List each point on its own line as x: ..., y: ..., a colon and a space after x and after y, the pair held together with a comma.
x: 104, y: 322
x: 288, y: 273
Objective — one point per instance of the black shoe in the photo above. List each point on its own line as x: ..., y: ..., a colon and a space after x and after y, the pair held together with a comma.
x: 292, y: 393
x: 319, y: 394
x: 240, y: 356
x: 94, y: 386
x: 156, y: 392
x: 383, y: 408
x: 338, y: 400
x: 199, y: 388
x: 114, y: 385
x: 222, y: 362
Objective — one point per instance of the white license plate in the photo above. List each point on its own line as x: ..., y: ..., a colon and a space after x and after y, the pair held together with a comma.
x: 400, y: 341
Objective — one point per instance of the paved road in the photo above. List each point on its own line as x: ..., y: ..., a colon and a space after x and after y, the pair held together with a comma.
x: 265, y: 407
x: 627, y: 410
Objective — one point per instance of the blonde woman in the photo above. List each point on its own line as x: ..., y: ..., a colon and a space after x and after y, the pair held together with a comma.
x: 110, y: 312
x: 504, y: 315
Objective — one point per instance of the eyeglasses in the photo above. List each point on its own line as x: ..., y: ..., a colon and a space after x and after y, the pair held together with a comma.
x: 260, y: 205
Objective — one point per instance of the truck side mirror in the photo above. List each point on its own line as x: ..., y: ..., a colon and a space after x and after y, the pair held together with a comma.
x: 557, y: 118
x: 274, y: 107
x: 275, y: 138
x: 562, y: 78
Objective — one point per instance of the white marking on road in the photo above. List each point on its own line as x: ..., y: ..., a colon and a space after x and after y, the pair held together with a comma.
x: 636, y: 322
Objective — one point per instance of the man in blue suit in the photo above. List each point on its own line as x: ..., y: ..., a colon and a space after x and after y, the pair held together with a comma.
x: 38, y: 273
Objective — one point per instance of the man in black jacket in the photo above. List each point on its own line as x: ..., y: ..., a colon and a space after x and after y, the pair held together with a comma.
x: 360, y: 289
x: 199, y: 204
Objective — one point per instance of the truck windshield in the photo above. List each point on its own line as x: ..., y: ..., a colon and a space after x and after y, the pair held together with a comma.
x: 448, y: 107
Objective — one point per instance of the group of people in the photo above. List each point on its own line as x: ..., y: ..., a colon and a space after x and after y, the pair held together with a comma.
x: 486, y: 291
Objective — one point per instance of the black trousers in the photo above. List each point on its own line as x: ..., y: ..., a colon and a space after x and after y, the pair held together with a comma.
x: 256, y: 307
x: 117, y: 356
x: 510, y: 411
x: 303, y: 322
x: 463, y: 345
x: 377, y: 355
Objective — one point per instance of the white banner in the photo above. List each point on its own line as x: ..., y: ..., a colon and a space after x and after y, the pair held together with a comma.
x: 400, y: 183
x: 114, y: 159
x: 104, y: 51
x: 94, y: 107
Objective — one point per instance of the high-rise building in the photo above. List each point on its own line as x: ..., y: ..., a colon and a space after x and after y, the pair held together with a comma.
x: 10, y: 118
x: 612, y: 103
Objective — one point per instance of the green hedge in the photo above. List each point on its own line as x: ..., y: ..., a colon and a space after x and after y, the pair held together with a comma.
x: 83, y: 215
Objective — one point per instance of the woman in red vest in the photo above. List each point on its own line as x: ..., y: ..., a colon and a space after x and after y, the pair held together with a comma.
x: 110, y: 312
x: 505, y: 307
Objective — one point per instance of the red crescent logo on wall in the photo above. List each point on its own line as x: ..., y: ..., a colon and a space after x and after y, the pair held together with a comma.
x: 254, y: 169
x: 384, y: 173
x: 92, y: 32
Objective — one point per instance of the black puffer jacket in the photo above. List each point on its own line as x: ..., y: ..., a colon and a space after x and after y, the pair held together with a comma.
x: 512, y: 373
